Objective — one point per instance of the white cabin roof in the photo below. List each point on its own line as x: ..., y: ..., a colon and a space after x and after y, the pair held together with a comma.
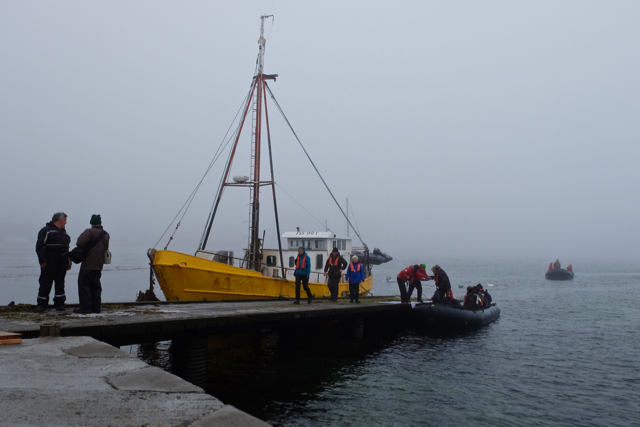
x: 310, y: 235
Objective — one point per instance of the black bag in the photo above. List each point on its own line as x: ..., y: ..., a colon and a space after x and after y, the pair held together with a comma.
x: 80, y: 252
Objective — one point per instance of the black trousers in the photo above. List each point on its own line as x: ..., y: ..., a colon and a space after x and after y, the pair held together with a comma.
x: 90, y: 290
x: 354, y: 293
x: 403, y: 291
x: 55, y: 271
x: 334, y: 286
x: 304, y: 279
x: 415, y: 285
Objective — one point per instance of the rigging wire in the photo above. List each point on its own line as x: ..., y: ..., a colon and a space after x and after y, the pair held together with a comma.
x: 220, y: 189
x: 189, y: 200
x: 291, y: 197
x: 354, y: 219
x: 312, y: 164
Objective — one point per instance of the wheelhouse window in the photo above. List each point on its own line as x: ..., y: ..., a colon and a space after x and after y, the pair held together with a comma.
x: 293, y: 244
x: 319, y: 263
x: 320, y: 244
x: 292, y: 261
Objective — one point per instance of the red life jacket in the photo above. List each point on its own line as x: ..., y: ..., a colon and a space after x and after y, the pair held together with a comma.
x: 353, y: 269
x: 304, y: 262
x: 336, y: 263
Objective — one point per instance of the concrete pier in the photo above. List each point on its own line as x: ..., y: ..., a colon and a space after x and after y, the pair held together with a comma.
x: 78, y: 381
x: 134, y: 323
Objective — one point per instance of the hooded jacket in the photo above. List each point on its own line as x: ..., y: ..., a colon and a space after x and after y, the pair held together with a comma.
x: 303, y: 260
x: 335, y: 265
x: 53, y: 242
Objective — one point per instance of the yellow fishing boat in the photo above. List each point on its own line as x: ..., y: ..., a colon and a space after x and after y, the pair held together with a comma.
x: 185, y: 277
x: 260, y: 273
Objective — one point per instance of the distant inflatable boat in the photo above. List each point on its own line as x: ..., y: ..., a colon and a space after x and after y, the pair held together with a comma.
x: 558, y: 274
x: 444, y: 318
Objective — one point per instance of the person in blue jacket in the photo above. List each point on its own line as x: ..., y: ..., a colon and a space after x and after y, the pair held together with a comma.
x: 303, y: 270
x: 355, y: 276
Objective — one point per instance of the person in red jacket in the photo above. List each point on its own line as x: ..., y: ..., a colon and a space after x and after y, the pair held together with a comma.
x: 412, y: 274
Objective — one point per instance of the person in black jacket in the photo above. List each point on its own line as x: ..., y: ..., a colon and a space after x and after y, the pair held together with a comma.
x: 333, y: 269
x: 443, y: 285
x: 52, y: 248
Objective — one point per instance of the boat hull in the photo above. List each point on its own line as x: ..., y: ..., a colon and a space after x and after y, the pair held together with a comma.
x: 447, y: 319
x: 558, y: 274
x: 185, y: 277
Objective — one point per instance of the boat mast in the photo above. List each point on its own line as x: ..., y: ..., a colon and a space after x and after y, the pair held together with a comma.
x: 257, y: 100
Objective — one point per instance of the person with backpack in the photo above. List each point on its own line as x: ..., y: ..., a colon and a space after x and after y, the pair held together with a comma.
x: 89, y: 286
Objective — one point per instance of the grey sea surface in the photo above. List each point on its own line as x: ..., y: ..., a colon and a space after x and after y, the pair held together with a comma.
x: 562, y: 353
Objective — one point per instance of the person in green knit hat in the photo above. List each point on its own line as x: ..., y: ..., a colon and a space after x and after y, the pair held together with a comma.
x: 89, y: 286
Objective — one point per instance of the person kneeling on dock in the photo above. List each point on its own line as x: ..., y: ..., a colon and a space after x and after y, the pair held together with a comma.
x: 303, y: 269
x: 355, y: 276
x: 333, y: 269
x: 443, y: 292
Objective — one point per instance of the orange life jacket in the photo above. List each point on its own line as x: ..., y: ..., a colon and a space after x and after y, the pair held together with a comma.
x: 353, y: 269
x: 336, y: 263
x: 304, y: 262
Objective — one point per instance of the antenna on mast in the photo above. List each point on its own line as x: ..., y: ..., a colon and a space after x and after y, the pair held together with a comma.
x: 261, y: 42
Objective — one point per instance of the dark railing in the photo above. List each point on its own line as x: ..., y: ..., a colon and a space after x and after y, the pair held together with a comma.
x: 316, y: 277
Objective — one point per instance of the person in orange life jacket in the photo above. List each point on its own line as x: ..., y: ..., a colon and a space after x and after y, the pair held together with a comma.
x: 334, y: 266
x: 303, y: 269
x: 52, y: 248
x: 570, y: 268
x: 443, y: 285
x: 550, y: 266
x: 355, y: 276
x: 412, y: 274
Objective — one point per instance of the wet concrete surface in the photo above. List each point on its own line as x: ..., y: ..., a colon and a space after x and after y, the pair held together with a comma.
x: 78, y: 381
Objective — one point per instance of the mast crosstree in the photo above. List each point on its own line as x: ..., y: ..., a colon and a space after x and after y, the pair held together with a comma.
x: 258, y: 105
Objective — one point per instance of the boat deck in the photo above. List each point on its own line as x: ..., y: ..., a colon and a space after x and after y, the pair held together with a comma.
x: 132, y: 323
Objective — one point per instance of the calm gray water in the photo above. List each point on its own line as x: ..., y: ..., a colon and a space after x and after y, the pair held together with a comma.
x: 562, y: 353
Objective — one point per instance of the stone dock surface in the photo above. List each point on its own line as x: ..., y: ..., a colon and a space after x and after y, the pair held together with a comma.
x: 78, y: 381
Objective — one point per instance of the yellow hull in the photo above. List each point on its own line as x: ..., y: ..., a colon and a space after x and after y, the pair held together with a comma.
x: 188, y: 278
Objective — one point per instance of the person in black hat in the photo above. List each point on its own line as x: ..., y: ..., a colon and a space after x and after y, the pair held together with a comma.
x: 89, y: 286
x: 52, y: 248
x: 333, y: 269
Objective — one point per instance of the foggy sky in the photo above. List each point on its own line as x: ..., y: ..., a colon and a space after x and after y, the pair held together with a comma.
x: 497, y: 128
